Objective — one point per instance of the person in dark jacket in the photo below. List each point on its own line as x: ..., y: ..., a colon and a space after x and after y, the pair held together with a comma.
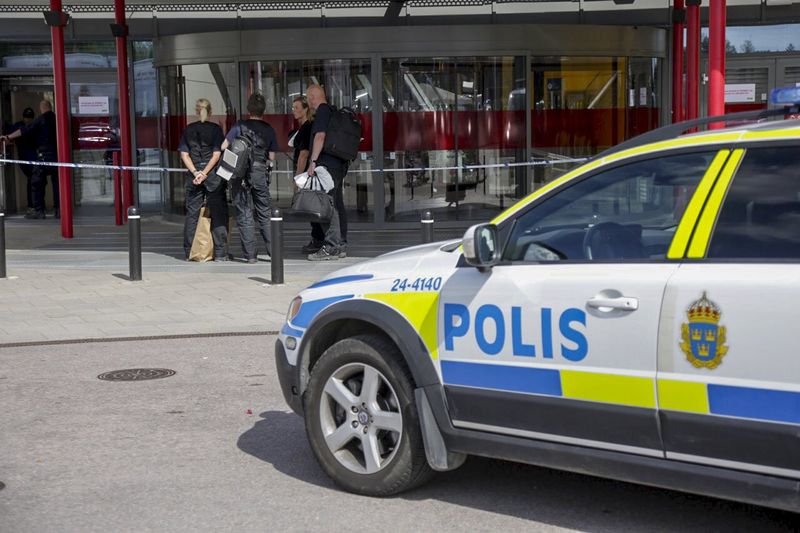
x: 26, y: 150
x: 300, y: 141
x: 335, y: 239
x: 200, y: 148
x: 42, y: 134
x: 250, y: 194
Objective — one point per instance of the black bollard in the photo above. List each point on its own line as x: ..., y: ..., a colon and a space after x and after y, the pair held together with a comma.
x: 276, y: 230
x: 427, y: 227
x: 135, y: 243
x: 2, y: 242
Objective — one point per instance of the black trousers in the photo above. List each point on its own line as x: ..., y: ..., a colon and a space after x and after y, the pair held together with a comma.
x: 253, y: 208
x: 27, y: 171
x: 318, y: 230
x: 196, y: 195
x: 39, y: 185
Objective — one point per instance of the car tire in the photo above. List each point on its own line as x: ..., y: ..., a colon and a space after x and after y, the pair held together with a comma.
x: 361, y: 418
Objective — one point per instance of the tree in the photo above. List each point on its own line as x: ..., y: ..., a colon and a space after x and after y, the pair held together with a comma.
x: 790, y: 48
x: 748, y: 47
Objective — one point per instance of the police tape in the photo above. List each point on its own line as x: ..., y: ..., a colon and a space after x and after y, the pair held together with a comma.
x: 92, y: 166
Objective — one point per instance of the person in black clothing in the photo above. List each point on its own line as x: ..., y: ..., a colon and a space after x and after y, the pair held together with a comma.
x: 41, y: 133
x: 26, y: 150
x: 200, y: 148
x: 300, y: 141
x: 251, y: 194
x: 335, y: 240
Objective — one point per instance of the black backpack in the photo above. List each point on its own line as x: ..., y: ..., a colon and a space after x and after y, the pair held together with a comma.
x: 343, y: 135
x: 237, y: 158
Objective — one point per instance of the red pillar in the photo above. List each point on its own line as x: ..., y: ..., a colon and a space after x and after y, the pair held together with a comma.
x: 57, y: 21
x: 692, y: 59
x: 117, y: 191
x: 120, y: 31
x: 716, y: 61
x: 679, y: 18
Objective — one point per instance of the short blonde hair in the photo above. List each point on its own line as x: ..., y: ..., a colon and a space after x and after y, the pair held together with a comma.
x: 203, y: 109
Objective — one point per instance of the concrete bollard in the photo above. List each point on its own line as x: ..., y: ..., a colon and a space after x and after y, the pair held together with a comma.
x: 427, y: 227
x: 2, y: 242
x: 135, y: 243
x: 276, y: 236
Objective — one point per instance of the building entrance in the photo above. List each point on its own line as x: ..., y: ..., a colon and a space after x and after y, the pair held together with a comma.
x: 18, y: 94
x: 94, y: 137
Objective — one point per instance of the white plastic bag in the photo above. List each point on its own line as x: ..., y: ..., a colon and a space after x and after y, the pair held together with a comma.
x: 324, y: 181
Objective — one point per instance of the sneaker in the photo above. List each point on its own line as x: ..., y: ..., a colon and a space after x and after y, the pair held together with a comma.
x: 220, y: 258
x: 313, y: 246
x: 323, y: 255
x: 252, y: 261
x: 36, y: 215
x: 342, y: 252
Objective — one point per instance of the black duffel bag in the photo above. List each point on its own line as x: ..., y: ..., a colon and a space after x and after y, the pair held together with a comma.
x: 311, y: 203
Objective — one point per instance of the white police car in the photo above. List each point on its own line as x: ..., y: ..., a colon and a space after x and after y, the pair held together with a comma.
x: 634, y: 319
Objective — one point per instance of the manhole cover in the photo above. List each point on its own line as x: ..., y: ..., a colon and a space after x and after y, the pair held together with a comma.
x: 136, y: 374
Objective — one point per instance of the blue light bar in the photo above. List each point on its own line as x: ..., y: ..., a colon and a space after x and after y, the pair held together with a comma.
x: 786, y: 96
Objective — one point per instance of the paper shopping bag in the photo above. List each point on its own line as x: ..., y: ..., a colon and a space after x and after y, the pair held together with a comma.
x: 203, y: 245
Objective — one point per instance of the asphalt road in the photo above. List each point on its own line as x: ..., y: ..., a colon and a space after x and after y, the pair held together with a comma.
x: 213, y: 448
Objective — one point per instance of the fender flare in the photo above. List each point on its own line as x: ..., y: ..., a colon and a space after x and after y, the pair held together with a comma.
x: 383, y: 317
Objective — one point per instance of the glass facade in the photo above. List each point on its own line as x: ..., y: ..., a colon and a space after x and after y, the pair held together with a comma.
x: 581, y: 106
x: 348, y: 84
x: 148, y: 146
x: 439, y: 116
x: 452, y: 112
x: 94, y: 108
x: 180, y: 88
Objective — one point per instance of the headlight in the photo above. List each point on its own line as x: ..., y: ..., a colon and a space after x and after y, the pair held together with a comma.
x: 294, y: 308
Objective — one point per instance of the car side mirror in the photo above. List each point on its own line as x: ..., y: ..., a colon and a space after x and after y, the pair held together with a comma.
x: 480, y: 245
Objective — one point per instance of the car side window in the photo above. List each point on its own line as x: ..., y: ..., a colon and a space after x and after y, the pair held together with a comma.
x: 628, y: 213
x: 760, y: 217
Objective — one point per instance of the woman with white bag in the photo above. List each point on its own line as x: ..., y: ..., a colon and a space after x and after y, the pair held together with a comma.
x: 300, y: 141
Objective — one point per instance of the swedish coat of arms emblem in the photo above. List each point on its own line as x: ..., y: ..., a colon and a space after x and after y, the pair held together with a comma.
x: 703, y: 339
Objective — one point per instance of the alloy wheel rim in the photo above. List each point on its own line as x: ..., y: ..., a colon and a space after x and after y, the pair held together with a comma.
x: 360, y: 418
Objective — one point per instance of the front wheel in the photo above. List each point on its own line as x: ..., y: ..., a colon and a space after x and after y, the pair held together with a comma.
x: 361, y: 418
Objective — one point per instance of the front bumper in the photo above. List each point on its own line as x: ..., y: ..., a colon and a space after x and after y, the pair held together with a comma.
x: 288, y: 378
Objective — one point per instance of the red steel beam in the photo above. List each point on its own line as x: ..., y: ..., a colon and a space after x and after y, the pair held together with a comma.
x: 678, y: 27
x: 120, y: 30
x: 716, y: 61
x: 692, y: 59
x: 62, y: 118
x: 117, y: 191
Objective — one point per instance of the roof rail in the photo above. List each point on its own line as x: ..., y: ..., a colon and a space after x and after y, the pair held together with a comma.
x: 671, y: 131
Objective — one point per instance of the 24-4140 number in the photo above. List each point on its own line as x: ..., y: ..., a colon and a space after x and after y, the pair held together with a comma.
x: 419, y: 284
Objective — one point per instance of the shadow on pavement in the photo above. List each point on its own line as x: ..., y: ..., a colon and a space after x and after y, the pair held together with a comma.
x: 527, y: 492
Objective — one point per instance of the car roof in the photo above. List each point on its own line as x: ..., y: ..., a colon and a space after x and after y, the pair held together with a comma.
x: 752, y: 131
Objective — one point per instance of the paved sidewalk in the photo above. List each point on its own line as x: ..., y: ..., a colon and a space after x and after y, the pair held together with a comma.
x: 40, y: 305
x: 67, y: 289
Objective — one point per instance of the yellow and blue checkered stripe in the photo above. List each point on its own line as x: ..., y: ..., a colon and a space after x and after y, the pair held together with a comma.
x: 729, y: 400
x: 634, y: 391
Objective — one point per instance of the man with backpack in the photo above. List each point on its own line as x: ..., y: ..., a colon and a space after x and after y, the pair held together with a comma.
x: 259, y: 139
x: 335, y: 244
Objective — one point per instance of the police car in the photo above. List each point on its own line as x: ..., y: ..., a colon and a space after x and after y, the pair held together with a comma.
x: 634, y: 319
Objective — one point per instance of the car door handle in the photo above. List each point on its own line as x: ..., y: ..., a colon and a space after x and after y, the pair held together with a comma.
x: 604, y: 303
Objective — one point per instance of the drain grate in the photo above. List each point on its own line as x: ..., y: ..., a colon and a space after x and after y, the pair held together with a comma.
x: 136, y: 374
